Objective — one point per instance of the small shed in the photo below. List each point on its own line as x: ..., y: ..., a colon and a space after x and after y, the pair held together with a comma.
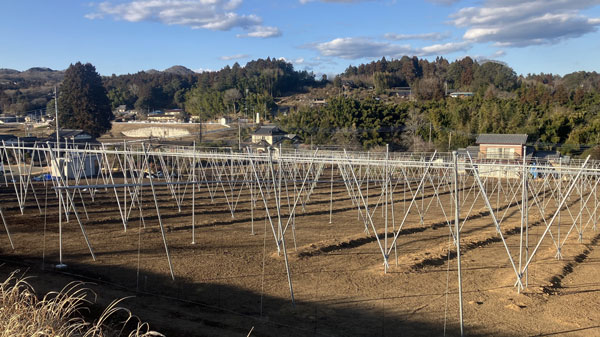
x: 75, y: 165
x: 224, y: 120
x: 501, y: 146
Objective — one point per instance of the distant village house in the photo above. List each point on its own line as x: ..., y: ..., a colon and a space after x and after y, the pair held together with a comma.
x: 72, y: 136
x: 501, y: 146
x: 268, y: 133
x: 271, y: 136
x: 121, y: 109
x: 168, y: 116
x: 461, y: 94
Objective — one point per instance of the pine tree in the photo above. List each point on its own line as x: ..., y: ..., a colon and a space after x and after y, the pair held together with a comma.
x: 83, y: 102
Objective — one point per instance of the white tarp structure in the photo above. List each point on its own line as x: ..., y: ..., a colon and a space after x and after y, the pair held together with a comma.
x: 75, y: 165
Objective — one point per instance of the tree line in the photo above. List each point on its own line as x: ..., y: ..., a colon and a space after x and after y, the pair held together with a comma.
x: 550, y: 116
x: 548, y: 107
x: 209, y: 94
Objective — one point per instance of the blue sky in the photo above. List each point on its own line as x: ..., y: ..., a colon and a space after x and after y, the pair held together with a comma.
x: 324, y: 36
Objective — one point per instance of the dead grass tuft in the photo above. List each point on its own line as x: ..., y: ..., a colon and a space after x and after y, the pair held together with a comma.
x: 22, y: 313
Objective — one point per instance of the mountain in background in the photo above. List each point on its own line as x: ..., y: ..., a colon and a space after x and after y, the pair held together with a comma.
x: 179, y: 70
x: 30, y: 76
x: 4, y: 71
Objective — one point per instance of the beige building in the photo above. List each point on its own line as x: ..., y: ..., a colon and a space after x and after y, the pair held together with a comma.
x: 501, y: 146
x: 170, y: 116
x: 270, y: 134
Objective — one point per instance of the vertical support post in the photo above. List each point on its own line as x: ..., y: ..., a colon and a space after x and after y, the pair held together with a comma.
x: 59, y: 169
x: 230, y: 179
x: 393, y: 218
x: 331, y: 195
x: 558, y: 249
x: 457, y: 229
x: 526, y: 205
x: 385, y: 173
x: 124, y: 167
x: 580, y: 215
x: 368, y: 178
x: 60, y: 264
x: 422, y: 213
x: 595, y: 205
x: 56, y: 123
x: 498, y: 192
x: 251, y: 204
x: 523, y: 210
x: 194, y: 197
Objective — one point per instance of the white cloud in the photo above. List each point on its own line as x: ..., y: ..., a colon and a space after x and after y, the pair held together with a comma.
x: 355, y: 48
x: 498, y: 53
x: 443, y: 2
x: 234, y: 57
x: 424, y: 36
x: 196, y: 14
x: 525, y: 22
x: 299, y: 60
x: 358, y: 47
x: 308, y: 64
x: 444, y: 48
x: 262, y: 32
x: 337, y: 1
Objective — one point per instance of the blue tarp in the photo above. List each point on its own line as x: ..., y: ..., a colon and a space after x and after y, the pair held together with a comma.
x: 534, y: 171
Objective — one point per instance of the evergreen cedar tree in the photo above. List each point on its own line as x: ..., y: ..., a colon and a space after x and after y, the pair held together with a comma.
x: 83, y: 102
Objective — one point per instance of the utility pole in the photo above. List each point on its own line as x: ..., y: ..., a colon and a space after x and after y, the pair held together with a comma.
x: 246, y: 102
x: 56, y: 120
x: 239, y: 135
x: 59, y: 167
x: 430, y: 135
x: 457, y: 237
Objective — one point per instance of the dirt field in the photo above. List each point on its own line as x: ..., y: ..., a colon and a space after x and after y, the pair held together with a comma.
x: 210, y: 131
x: 231, y: 281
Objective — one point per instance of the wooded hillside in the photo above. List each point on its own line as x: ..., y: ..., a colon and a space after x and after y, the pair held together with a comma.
x: 363, y: 105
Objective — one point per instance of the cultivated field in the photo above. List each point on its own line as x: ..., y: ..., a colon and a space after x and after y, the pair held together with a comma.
x: 233, y: 280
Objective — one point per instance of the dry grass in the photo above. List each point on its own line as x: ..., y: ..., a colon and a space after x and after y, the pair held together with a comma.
x: 22, y: 313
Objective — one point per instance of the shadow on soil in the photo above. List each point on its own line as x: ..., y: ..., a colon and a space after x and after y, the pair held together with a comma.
x: 184, y: 308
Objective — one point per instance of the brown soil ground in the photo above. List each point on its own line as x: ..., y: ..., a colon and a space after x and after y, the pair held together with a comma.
x: 231, y: 281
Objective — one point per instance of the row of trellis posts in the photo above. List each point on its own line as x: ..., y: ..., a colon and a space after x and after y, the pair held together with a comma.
x: 287, y: 177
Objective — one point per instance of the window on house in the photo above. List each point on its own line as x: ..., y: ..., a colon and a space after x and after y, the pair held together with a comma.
x: 500, y: 153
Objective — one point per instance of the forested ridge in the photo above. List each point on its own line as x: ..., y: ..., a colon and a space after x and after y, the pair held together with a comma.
x: 557, y: 112
x: 363, y: 106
